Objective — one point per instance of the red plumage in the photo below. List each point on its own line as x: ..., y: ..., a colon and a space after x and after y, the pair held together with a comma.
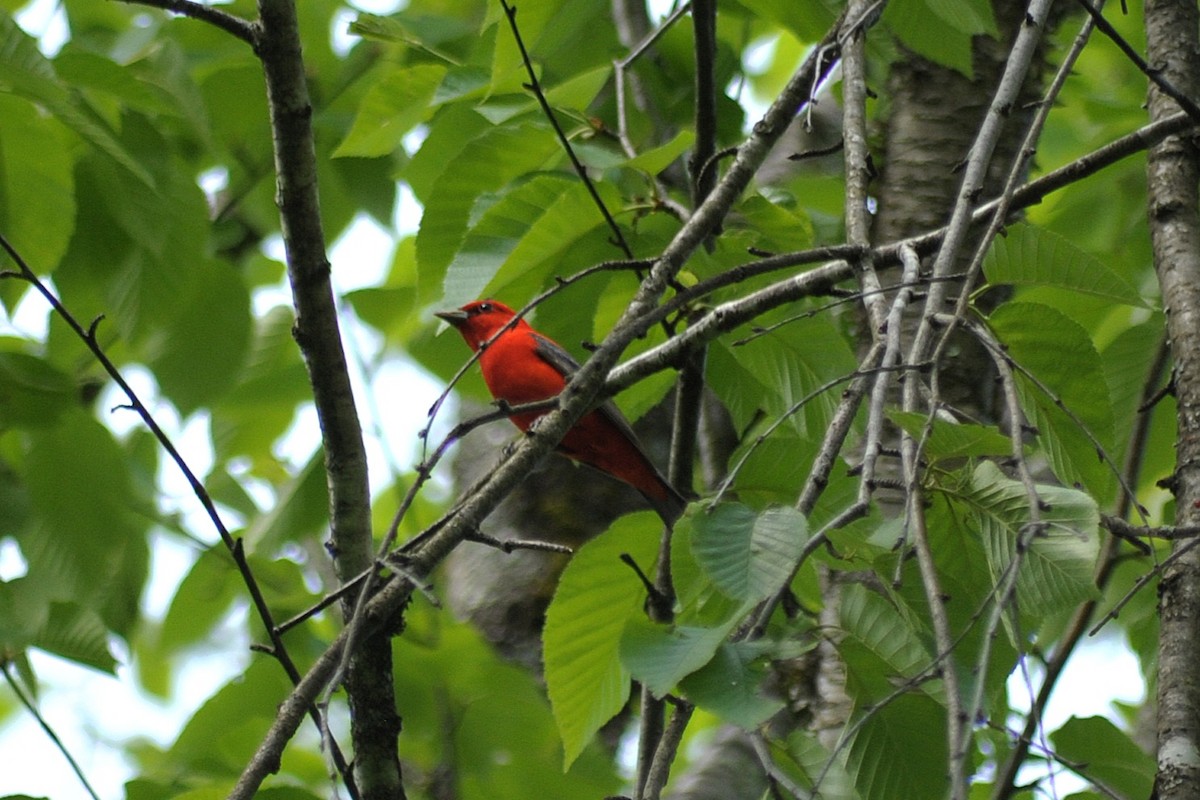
x: 524, y: 366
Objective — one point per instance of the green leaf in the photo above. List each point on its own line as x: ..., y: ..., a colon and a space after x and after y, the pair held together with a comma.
x: 596, y: 595
x: 900, y: 750
x: 951, y: 440
x: 32, y: 392
x: 77, y: 633
x: 198, y: 353
x: 88, y: 546
x: 223, y: 734
x: 1033, y: 256
x: 928, y: 34
x: 203, y: 598
x: 1060, y: 354
x: 273, y: 382
x: 1058, y: 567
x: 805, y: 758
x: 37, y: 185
x: 749, y: 555
x: 527, y: 231
x: 659, y: 656
x: 1107, y: 754
x: 780, y: 372
x: 972, y: 17
x: 393, y: 105
x: 578, y: 92
x: 118, y: 88
x: 26, y: 72
x: 731, y: 686
x: 882, y: 644
x: 396, y: 30
x: 807, y: 21
x: 657, y: 159
x: 300, y: 511
x: 772, y: 226
x: 485, y: 164
x: 1127, y: 361
x: 455, y: 674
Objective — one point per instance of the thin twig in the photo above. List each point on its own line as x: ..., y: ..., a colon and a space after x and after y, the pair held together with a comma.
x: 999, y: 352
x: 240, y: 28
x: 857, y: 158
x: 668, y: 746
x: 1141, y: 583
x: 25, y: 700
x: 512, y: 545
x: 535, y: 86
x: 278, y: 649
x: 784, y: 417
x: 1007, y: 775
x: 762, y: 750
x: 890, y: 330
x: 1155, y: 75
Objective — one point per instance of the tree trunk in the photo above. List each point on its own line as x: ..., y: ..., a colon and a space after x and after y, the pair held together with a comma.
x: 1173, y: 171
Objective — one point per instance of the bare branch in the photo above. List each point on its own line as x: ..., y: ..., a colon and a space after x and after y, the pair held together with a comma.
x: 535, y: 86
x: 246, y: 31
x: 31, y: 708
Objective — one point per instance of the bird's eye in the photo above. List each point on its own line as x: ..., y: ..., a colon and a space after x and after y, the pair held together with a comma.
x: 484, y: 308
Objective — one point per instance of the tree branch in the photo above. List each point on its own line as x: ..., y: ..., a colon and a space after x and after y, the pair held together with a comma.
x: 246, y: 31
x: 374, y: 722
x: 1173, y: 172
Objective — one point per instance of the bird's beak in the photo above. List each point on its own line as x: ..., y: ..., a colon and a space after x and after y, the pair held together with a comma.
x: 457, y: 317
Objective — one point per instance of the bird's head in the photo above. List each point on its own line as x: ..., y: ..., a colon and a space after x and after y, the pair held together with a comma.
x: 479, y: 320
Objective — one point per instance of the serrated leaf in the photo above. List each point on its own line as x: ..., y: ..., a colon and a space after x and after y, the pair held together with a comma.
x: 659, y: 158
x: 223, y: 734
x: 659, y: 656
x: 772, y: 226
x: 1107, y: 754
x: 32, y: 391
x: 88, y: 544
x: 807, y: 21
x: 485, y: 164
x: 949, y: 440
x: 900, y: 750
x: 389, y: 110
x: 730, y: 685
x: 37, y: 185
x: 202, y: 598
x: 301, y: 509
x: 198, y: 353
x: 596, y: 595
x: 77, y: 633
x: 1033, y: 256
x: 781, y: 371
x: 578, y: 92
x: 1058, y: 567
x: 927, y: 34
x: 749, y: 555
x: 394, y: 30
x: 1127, y: 361
x: 26, y: 72
x: 493, y: 239
x: 805, y: 758
x: 881, y: 646
x: 1061, y: 355
x: 972, y: 17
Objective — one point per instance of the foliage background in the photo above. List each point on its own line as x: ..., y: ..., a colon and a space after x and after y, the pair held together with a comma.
x: 103, y: 147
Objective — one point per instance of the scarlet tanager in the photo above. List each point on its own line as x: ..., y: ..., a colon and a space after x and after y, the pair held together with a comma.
x: 523, y: 366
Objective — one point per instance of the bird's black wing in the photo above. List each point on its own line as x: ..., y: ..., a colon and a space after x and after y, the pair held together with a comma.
x: 554, y: 355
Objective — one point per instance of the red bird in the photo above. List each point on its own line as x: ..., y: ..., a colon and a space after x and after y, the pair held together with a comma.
x: 523, y: 366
